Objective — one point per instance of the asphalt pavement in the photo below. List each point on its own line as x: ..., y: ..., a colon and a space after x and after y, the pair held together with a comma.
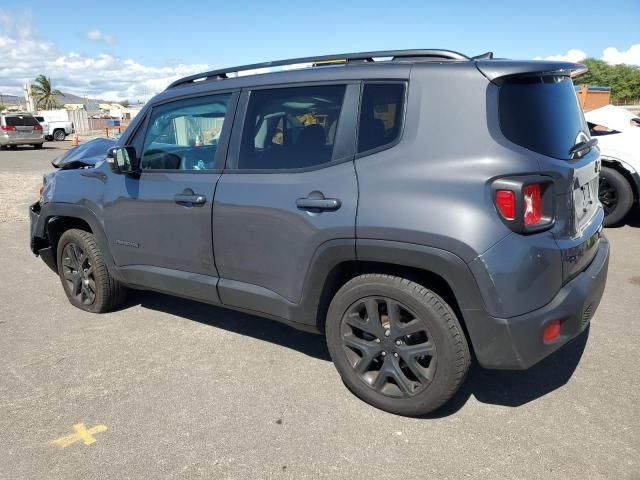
x: 170, y: 388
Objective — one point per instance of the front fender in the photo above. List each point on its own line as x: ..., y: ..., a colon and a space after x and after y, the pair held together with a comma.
x: 51, y: 215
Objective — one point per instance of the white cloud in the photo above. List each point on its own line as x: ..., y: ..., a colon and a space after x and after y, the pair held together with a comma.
x: 24, y: 55
x: 573, y: 55
x: 631, y: 56
x: 611, y: 55
x: 98, y: 36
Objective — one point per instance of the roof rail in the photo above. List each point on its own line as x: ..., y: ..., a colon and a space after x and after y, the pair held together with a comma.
x: 325, y: 59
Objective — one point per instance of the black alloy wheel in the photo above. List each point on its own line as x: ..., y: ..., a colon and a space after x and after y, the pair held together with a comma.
x: 388, y: 347
x: 78, y: 274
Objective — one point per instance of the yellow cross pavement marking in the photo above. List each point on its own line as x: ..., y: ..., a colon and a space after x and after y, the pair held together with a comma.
x: 81, y: 434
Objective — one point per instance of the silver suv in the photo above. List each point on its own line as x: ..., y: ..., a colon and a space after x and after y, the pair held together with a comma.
x: 20, y: 129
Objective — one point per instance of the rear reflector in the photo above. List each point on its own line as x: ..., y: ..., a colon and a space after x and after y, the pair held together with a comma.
x: 532, y: 204
x: 506, y: 203
x: 551, y: 331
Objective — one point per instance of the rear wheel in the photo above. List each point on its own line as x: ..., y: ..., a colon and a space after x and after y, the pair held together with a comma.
x: 615, y: 194
x: 84, y: 275
x: 397, y: 345
x: 37, y: 146
x: 59, y: 135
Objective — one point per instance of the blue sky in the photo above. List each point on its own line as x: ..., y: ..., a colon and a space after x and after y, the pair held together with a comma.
x: 155, y: 37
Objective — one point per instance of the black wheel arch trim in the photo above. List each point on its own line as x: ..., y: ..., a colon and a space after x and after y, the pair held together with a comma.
x: 53, y: 211
x: 451, y: 268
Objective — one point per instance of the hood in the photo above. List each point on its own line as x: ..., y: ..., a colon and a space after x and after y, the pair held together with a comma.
x: 613, y: 118
x: 84, y: 155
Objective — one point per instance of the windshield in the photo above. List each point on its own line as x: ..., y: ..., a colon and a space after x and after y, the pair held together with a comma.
x: 542, y: 114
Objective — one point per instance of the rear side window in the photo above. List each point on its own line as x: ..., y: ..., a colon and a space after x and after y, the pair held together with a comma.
x: 542, y: 114
x: 381, y: 113
x: 21, y: 121
x: 289, y: 128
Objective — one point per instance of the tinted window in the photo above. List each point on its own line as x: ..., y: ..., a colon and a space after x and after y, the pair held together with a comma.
x: 541, y: 114
x: 291, y: 127
x: 184, y: 135
x: 381, y: 112
x: 21, y: 121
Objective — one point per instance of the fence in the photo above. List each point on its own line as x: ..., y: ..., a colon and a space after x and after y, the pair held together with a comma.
x: 80, y: 120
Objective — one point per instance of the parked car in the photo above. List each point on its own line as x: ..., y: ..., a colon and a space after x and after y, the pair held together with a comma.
x: 20, y: 129
x: 413, y: 209
x: 55, y: 129
x: 618, y: 134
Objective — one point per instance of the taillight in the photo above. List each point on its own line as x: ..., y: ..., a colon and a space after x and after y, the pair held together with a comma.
x: 37, y: 127
x: 506, y: 203
x: 532, y: 204
x: 7, y: 128
x: 525, y: 203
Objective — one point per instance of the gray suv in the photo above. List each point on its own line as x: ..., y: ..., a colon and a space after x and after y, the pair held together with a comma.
x: 416, y: 207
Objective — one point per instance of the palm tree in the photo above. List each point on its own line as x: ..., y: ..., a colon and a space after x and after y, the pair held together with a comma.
x: 44, y: 96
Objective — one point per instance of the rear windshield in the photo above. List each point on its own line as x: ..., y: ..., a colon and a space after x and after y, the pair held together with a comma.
x: 542, y: 114
x: 21, y: 121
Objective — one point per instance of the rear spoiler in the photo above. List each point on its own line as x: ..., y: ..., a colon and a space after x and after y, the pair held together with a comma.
x: 498, y: 68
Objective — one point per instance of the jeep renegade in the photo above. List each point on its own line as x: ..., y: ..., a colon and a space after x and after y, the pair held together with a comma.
x: 413, y: 206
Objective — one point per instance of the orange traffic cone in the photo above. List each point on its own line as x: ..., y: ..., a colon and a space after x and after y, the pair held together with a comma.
x: 74, y: 140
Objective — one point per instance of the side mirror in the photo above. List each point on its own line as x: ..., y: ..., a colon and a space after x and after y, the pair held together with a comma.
x: 123, y: 160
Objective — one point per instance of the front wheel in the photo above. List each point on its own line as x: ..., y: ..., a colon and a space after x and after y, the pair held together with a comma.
x: 84, y: 274
x: 397, y: 345
x: 615, y: 195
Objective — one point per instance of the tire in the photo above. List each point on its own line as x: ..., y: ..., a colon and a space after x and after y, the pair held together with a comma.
x: 84, y: 275
x: 3, y: 147
x: 615, y: 194
x: 48, y: 138
x: 413, y: 369
x: 59, y: 135
x: 37, y: 146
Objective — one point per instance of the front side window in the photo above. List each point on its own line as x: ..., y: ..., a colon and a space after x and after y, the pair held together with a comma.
x: 289, y: 128
x: 381, y: 113
x: 184, y: 135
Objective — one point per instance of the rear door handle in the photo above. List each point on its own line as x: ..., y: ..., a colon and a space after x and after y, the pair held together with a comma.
x: 189, y: 200
x: 318, y: 204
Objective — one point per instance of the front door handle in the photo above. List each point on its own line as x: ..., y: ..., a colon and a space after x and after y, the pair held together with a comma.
x: 189, y: 200
x: 318, y: 204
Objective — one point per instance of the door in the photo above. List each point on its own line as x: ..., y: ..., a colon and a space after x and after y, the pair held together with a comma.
x: 289, y: 187
x: 159, y: 223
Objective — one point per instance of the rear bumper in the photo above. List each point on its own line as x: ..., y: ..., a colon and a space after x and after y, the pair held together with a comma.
x: 21, y: 141
x: 517, y: 343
